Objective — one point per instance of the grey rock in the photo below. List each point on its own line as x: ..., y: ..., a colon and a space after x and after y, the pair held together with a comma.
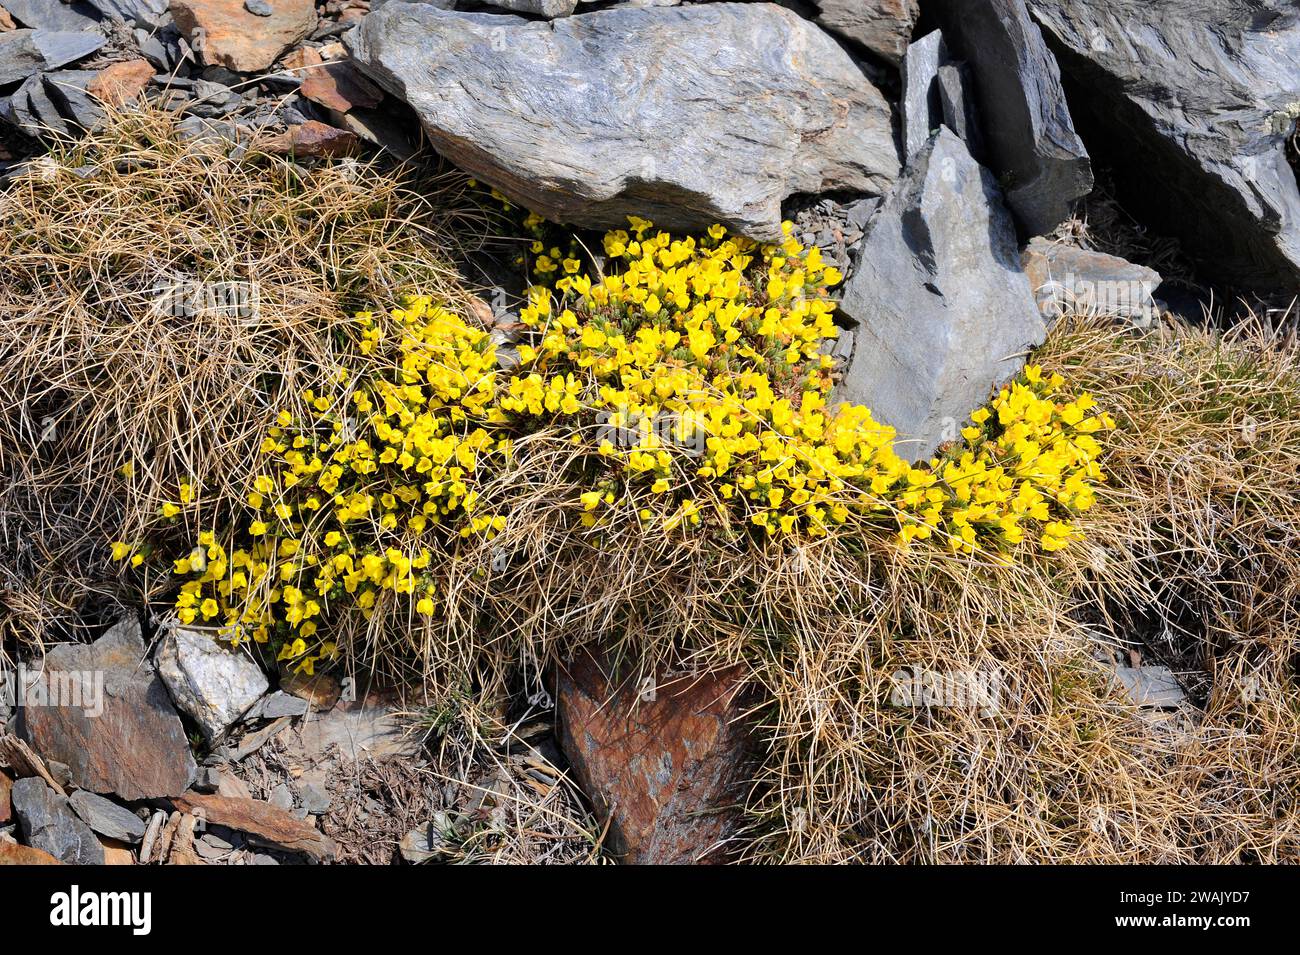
x: 213, y: 100
x: 207, y: 780
x: 1150, y: 687
x: 1031, y: 143
x: 132, y: 744
x: 429, y: 841
x: 53, y: 15
x: 940, y: 306
x: 957, y: 104
x: 315, y: 799
x: 541, y: 8
x: 281, y: 797
x: 67, y: 90
x: 60, y: 772
x: 165, y: 48
x: 259, y: 8
x: 921, y: 107
x: 47, y: 823
x: 25, y: 52
x: 883, y: 26
x: 148, y: 13
x: 107, y: 817
x: 214, y: 684
x: 277, y: 705
x: 1070, y: 280
x: 1194, y: 102
x: 567, y: 118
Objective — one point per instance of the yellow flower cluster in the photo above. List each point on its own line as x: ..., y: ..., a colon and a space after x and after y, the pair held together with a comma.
x: 694, y: 371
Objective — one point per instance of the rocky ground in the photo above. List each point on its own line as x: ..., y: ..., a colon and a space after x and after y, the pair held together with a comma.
x: 976, y: 168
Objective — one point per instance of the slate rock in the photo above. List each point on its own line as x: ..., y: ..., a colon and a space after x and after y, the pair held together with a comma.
x: 263, y: 823
x: 145, y: 13
x: 883, y: 26
x: 1030, y: 140
x: 277, y: 705
x: 1194, y: 104
x: 225, y: 33
x: 940, y: 307
x: 1150, y: 687
x: 665, y: 769
x: 47, y: 823
x: 136, y: 747
x: 122, y: 82
x: 635, y: 110
x: 541, y: 8
x: 25, y: 52
x: 921, y: 107
x: 53, y: 14
x: 1070, y: 280
x: 106, y: 817
x: 13, y: 854
x: 68, y: 91
x: 211, y: 682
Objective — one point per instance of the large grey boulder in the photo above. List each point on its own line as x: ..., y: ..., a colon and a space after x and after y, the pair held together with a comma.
x: 686, y: 116
x: 47, y: 823
x: 883, y: 26
x: 1030, y: 140
x: 24, y: 52
x: 211, y: 682
x: 1194, y: 102
x: 940, y: 306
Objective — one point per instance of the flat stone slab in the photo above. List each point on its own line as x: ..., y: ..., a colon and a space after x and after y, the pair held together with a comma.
x: 683, y: 115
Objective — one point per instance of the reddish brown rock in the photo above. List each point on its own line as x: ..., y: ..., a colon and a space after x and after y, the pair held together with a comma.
x: 14, y: 854
x: 224, y: 33
x: 121, y: 82
x: 665, y: 766
x: 311, y: 140
x: 301, y: 59
x: 6, y: 21
x: 260, y: 821
x: 6, y: 807
x: 339, y: 87
x: 136, y: 747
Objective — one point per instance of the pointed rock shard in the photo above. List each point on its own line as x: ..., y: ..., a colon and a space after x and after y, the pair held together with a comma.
x: 1195, y: 105
x: 683, y: 115
x: 921, y: 106
x: 943, y: 311
x: 1029, y: 135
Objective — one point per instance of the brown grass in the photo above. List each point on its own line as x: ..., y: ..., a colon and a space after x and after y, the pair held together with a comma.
x: 97, y: 372
x: 1189, y: 557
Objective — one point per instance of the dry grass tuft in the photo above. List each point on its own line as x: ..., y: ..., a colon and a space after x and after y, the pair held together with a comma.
x: 1188, y: 560
x: 101, y: 240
